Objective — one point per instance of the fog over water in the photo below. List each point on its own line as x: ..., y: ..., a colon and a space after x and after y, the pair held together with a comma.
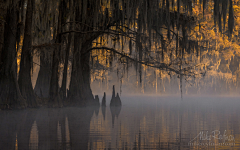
x: 170, y: 71
x: 143, y: 122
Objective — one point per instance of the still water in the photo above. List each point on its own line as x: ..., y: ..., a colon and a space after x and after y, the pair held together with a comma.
x: 143, y: 122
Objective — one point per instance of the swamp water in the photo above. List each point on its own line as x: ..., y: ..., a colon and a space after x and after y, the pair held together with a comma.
x: 142, y: 122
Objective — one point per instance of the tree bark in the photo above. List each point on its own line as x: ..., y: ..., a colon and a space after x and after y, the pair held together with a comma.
x: 55, y: 99
x: 10, y: 96
x: 76, y: 91
x: 24, y: 80
x: 86, y: 76
x: 63, y: 89
x: 65, y: 71
x: 80, y: 90
x: 43, y: 81
x: 3, y: 11
x: 54, y: 96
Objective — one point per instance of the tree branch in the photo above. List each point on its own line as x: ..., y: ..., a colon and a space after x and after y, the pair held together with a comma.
x: 160, y: 66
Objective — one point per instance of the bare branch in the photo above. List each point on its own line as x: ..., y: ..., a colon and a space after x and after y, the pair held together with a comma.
x: 160, y: 66
x: 181, y: 71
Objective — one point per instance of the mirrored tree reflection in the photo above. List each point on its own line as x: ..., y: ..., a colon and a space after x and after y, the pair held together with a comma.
x: 149, y: 123
x: 45, y: 129
x: 115, y: 111
x: 103, y: 108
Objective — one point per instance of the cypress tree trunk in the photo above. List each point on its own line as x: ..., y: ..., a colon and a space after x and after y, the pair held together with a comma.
x: 76, y: 91
x: 3, y: 11
x: 10, y: 96
x: 80, y: 90
x: 64, y: 79
x: 76, y: 94
x: 43, y: 81
x: 20, y: 26
x: 55, y: 99
x: 86, y: 76
x: 24, y: 80
x: 54, y: 87
x: 65, y: 71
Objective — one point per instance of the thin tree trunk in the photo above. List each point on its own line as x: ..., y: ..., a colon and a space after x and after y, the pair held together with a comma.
x: 24, y: 80
x: 20, y: 26
x: 10, y: 96
x: 3, y: 11
x: 54, y: 87
x: 64, y: 80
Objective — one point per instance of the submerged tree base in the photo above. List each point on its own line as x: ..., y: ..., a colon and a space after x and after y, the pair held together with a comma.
x: 10, y: 97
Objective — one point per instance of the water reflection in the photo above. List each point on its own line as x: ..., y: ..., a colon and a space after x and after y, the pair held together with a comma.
x: 44, y: 129
x: 141, y: 123
x: 103, y: 108
x: 33, y: 141
x: 115, y: 111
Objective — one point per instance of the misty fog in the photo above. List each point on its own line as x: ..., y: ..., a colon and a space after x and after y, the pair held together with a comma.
x: 119, y: 74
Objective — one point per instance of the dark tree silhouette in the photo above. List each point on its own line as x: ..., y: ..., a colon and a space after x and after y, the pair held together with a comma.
x: 138, y: 32
x: 10, y: 96
x: 24, y: 79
